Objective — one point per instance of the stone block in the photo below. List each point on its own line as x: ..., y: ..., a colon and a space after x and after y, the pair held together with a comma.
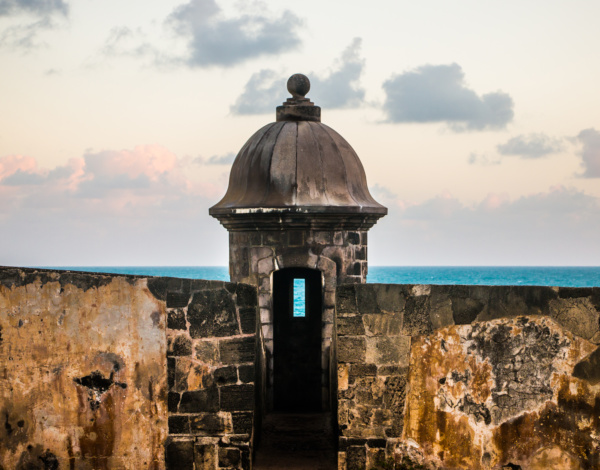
x: 237, y: 350
x: 295, y: 238
x: 242, y: 422
x: 363, y: 370
x: 237, y: 397
x: 366, y: 298
x: 200, y: 401
x: 179, y: 346
x: 297, y: 256
x: 229, y: 457
x: 577, y: 314
x: 329, y: 299
x: 509, y: 301
x: 346, y: 299
x: 328, y: 315
x: 173, y: 399
x: 466, y: 310
x: 383, y: 324
x: 589, y: 368
x: 388, y: 350
x: 350, y: 326
x: 205, y: 456
x: 338, y: 238
x: 351, y: 349
x: 179, y: 424
x: 207, y: 351
x: 171, y: 364
x: 360, y: 253
x: 353, y: 238
x: 255, y: 239
x: 354, y: 269
x: 356, y: 458
x: 246, y: 295
x: 376, y: 458
x: 212, y: 313
x: 265, y: 266
x: 440, y: 308
x: 248, y: 319
x: 208, y: 424
x: 180, y: 455
x: 265, y: 315
x: 390, y: 297
x: 343, y: 376
x: 176, y: 320
x: 225, y: 375
x: 274, y: 238
x: 177, y: 300
x: 416, y: 316
x: 247, y: 373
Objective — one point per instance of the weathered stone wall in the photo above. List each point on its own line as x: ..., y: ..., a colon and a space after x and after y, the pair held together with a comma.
x: 82, y: 371
x: 108, y: 371
x: 469, y: 377
x: 211, y: 332
x: 341, y: 256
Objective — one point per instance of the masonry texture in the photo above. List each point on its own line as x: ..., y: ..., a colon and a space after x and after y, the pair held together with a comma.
x: 83, y: 372
x: 108, y: 371
x: 468, y: 377
x: 211, y: 334
x: 341, y: 256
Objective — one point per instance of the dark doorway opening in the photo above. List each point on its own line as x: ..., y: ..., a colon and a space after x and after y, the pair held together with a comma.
x: 297, y: 371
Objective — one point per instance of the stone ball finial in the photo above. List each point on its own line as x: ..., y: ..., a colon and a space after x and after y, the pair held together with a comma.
x: 298, y: 85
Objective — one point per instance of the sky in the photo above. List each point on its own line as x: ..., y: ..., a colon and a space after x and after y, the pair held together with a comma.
x: 478, y: 124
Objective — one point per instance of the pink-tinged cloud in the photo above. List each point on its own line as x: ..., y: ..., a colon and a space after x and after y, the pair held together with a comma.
x: 132, y: 206
x: 10, y: 164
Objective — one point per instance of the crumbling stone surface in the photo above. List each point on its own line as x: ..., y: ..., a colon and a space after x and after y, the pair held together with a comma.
x: 484, y: 362
x: 501, y: 392
x: 84, y: 376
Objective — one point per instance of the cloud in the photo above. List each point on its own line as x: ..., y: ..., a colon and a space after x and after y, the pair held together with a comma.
x: 226, y: 159
x: 44, y: 14
x: 41, y: 8
x: 438, y: 93
x: 590, y: 152
x: 215, y: 40
x: 262, y: 93
x: 480, y: 159
x: 530, y: 146
x: 556, y: 227
x: 125, y: 42
x: 134, y: 206
x: 339, y: 88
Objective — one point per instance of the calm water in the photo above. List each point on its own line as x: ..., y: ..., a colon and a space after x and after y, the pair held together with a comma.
x: 471, y: 275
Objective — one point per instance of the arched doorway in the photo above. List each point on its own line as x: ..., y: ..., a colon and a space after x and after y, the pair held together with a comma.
x: 297, y: 324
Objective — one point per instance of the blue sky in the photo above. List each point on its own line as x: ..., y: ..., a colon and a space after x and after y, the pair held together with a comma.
x: 478, y: 123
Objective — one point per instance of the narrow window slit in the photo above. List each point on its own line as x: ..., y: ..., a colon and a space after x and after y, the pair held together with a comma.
x: 299, y: 298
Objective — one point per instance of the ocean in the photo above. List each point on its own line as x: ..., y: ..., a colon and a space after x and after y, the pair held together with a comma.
x: 567, y: 276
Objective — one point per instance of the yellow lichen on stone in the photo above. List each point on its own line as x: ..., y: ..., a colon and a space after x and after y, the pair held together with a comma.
x: 83, y: 374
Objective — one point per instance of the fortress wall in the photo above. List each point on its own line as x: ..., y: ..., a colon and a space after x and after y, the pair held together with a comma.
x: 211, y: 334
x: 109, y: 371
x: 83, y: 380
x: 469, y: 377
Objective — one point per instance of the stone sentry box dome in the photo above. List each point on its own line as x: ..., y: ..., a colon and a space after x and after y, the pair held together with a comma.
x: 298, y: 209
x: 297, y: 173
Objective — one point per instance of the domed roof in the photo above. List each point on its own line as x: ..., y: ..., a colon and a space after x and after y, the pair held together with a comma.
x: 297, y: 172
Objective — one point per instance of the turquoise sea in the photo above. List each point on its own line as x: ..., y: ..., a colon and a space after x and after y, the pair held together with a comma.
x: 570, y: 276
